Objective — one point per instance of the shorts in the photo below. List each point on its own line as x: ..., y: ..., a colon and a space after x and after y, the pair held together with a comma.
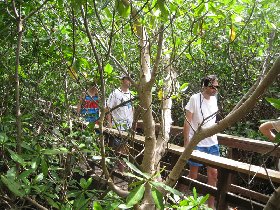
x: 117, y: 142
x: 212, y: 150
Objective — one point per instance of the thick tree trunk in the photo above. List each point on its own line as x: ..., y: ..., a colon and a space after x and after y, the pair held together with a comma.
x: 166, y: 119
x: 17, y: 86
x: 145, y: 95
x: 274, y: 201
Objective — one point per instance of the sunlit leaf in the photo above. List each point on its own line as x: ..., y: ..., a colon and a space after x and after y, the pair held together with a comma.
x: 108, y: 69
x: 160, y: 94
x: 158, y: 198
x: 132, y: 175
x: 274, y: 102
x: 135, y: 195
x: 204, y: 199
x: 97, y: 206
x: 194, y: 193
x: 39, y: 177
x: 184, y: 86
x: 21, y: 72
x: 232, y: 33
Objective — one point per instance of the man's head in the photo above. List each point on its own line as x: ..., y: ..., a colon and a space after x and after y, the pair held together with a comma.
x: 93, y: 87
x: 125, y: 81
x: 210, y: 85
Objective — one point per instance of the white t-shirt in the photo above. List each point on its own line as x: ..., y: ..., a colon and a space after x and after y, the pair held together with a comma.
x: 122, y: 116
x: 276, y: 125
x: 201, y: 109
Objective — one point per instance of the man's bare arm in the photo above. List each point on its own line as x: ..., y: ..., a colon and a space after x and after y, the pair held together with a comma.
x: 266, y: 129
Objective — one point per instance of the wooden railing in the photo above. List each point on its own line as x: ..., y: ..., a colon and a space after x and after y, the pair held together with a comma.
x: 227, y: 191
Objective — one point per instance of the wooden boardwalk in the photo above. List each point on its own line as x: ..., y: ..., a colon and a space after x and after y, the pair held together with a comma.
x: 226, y: 192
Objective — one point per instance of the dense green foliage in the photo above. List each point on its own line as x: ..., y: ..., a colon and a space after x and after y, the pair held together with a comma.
x: 235, y: 39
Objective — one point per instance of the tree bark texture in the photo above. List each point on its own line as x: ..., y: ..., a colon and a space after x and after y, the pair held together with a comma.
x: 274, y: 201
x: 17, y: 85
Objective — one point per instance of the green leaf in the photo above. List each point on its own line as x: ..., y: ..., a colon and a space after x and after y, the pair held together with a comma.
x: 108, y: 13
x: 21, y: 72
x: 213, y: 8
x: 16, y: 157
x: 194, y: 193
x: 3, y: 138
x: 13, y: 186
x: 97, y: 206
x: 158, y: 198
x: 163, y: 9
x: 80, y: 202
x: 52, y: 202
x: 26, y: 173
x: 184, y: 86
x: 204, y: 199
x: 200, y: 9
x: 277, y: 138
x: 135, y: 195
x: 113, y: 206
x: 39, y: 177
x: 134, y: 168
x: 108, y: 69
x: 274, y: 102
x: 132, y: 175
x: 57, y: 151
x: 122, y: 9
x: 44, y: 166
x: 85, y: 183
x: 134, y: 184
x: 170, y: 189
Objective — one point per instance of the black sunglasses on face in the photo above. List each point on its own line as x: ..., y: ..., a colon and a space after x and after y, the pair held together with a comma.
x: 214, y: 87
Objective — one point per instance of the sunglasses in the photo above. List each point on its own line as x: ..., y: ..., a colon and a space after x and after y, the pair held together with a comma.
x: 214, y: 87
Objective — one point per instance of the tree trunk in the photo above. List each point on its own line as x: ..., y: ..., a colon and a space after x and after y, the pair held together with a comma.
x: 274, y: 201
x: 163, y: 136
x: 17, y: 86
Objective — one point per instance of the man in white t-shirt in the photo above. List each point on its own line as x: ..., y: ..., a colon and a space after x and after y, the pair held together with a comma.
x: 121, y: 118
x: 201, y: 110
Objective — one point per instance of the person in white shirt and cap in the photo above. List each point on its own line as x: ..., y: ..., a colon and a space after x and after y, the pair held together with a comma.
x: 121, y: 118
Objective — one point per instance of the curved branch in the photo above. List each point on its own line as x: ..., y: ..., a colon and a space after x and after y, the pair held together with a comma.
x: 35, y: 203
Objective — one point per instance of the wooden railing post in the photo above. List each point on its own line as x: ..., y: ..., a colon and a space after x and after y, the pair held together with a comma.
x: 224, y: 181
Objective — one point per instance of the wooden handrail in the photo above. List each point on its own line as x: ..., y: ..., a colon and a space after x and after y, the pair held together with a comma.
x: 232, y: 141
x: 225, y: 166
x: 218, y: 162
